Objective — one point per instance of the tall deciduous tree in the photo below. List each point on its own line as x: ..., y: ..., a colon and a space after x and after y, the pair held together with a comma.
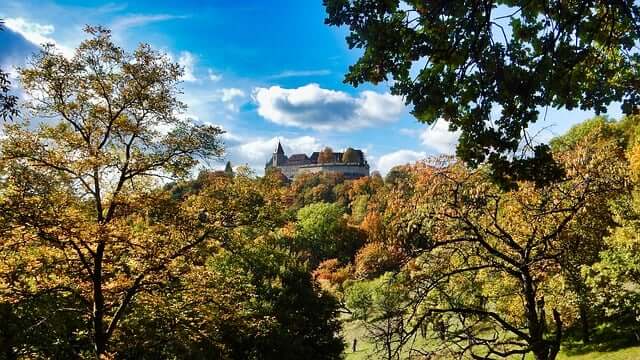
x: 488, y: 271
x: 615, y: 278
x: 80, y: 215
x: 488, y: 67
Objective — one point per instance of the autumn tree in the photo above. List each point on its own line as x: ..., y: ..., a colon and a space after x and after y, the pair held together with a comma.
x: 585, y: 237
x: 350, y: 156
x: 82, y: 215
x: 326, y: 156
x: 309, y: 188
x: 486, y: 276
x: 235, y: 301
x: 489, y: 67
x: 615, y: 277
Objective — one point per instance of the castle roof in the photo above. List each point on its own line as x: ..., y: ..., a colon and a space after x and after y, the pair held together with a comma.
x: 279, y: 149
x: 298, y: 159
x: 303, y: 159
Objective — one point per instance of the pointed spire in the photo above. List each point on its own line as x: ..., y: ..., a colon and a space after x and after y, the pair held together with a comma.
x: 228, y: 169
x: 279, y: 149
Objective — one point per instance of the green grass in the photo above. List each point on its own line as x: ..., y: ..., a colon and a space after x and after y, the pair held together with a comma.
x: 631, y: 353
x: 616, y: 349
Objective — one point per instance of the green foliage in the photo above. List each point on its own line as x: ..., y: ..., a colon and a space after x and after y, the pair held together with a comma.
x: 397, y: 175
x: 376, y: 299
x: 241, y: 309
x: 604, y: 127
x: 311, y: 188
x: 350, y: 156
x: 616, y: 276
x: 462, y: 60
x: 323, y: 232
x: 359, y: 208
x: 359, y: 299
x: 8, y: 102
x: 326, y: 156
x: 228, y: 169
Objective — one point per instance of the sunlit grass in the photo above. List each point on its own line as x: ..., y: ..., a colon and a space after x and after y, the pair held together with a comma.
x: 597, y: 351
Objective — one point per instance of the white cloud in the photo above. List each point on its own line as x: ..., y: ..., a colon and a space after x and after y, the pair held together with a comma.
x: 213, y: 76
x: 300, y: 73
x: 187, y: 60
x: 129, y: 21
x: 36, y: 33
x: 439, y: 138
x: 400, y: 157
x: 228, y: 94
x: 261, y: 149
x: 311, y: 106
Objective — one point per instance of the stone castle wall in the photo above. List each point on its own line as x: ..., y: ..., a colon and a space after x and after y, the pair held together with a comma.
x: 349, y: 170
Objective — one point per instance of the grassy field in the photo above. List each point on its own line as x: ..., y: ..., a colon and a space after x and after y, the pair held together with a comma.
x: 632, y: 353
x: 365, y: 349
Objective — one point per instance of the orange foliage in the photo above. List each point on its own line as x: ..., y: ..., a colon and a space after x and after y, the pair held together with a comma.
x: 375, y: 258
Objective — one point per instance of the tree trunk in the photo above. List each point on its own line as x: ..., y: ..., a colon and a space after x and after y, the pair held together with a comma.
x: 99, y: 333
x: 584, y: 322
x: 542, y: 349
x: 7, y: 332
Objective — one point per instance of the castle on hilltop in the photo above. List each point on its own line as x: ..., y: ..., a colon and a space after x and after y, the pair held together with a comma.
x: 351, y: 163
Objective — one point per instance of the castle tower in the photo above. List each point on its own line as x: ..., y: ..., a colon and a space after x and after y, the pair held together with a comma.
x: 279, y: 158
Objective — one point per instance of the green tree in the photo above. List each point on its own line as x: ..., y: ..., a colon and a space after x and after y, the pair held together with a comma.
x: 326, y: 156
x: 309, y: 188
x: 80, y: 213
x: 322, y: 230
x: 228, y: 169
x: 615, y: 278
x: 585, y: 237
x: 381, y: 303
x: 397, y: 175
x: 464, y: 60
x: 350, y: 156
x: 602, y: 126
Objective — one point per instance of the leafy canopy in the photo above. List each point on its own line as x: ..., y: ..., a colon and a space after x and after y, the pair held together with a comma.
x: 488, y: 67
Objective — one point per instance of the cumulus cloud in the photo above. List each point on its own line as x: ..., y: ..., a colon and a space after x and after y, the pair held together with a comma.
x: 188, y: 61
x: 439, y: 138
x: 37, y: 34
x: 260, y: 149
x: 401, y: 157
x: 311, y: 106
x: 228, y: 94
x: 15, y: 50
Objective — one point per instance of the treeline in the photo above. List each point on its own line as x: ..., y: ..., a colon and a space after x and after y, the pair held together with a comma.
x: 454, y: 265
x: 109, y: 250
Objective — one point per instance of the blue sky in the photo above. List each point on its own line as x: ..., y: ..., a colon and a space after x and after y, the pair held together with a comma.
x: 262, y: 70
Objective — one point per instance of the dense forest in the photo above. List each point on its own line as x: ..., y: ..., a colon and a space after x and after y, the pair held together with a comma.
x: 119, y: 241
